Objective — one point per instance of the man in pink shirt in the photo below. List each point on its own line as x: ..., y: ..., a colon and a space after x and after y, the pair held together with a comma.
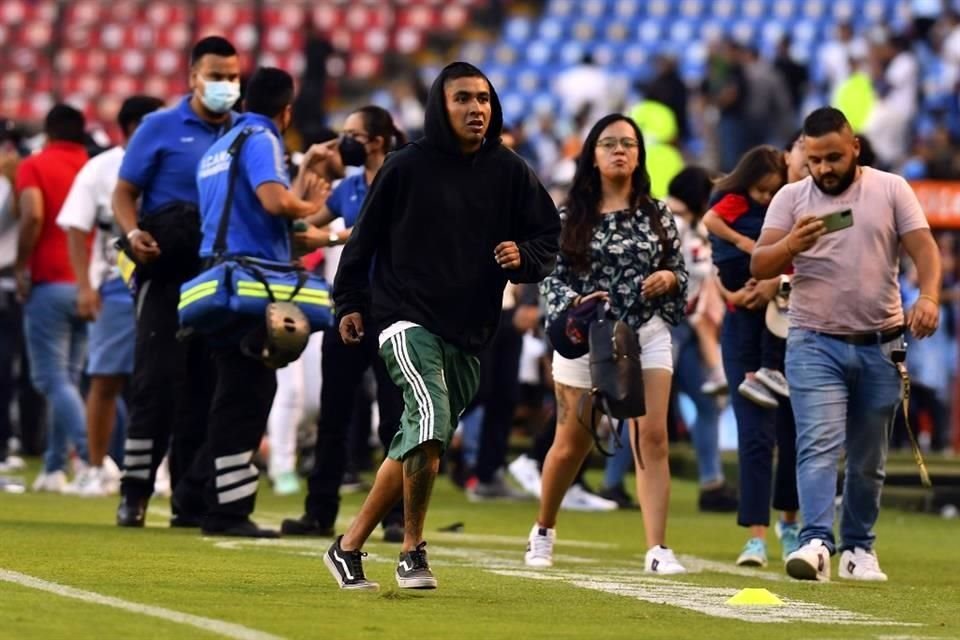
x: 847, y: 322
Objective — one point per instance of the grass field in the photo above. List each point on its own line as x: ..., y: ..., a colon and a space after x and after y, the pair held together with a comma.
x: 94, y: 580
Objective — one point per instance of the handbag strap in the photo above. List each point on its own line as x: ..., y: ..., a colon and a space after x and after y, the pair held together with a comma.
x: 899, y: 359
x: 220, y: 242
x: 592, y: 426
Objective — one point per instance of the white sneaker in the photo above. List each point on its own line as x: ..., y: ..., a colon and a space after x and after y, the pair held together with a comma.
x: 88, y: 484
x: 110, y: 476
x: 12, y: 463
x: 774, y: 380
x: 527, y: 474
x: 53, y: 482
x: 579, y: 499
x: 660, y: 559
x: 757, y: 393
x: 540, y: 547
x: 716, y: 383
x: 861, y: 564
x: 161, y: 486
x: 810, y: 562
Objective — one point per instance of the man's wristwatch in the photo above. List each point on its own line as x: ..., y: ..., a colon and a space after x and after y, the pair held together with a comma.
x: 132, y: 233
x: 333, y: 239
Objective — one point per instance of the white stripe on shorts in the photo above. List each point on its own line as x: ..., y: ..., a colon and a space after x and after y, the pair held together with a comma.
x: 431, y: 414
x: 424, y: 406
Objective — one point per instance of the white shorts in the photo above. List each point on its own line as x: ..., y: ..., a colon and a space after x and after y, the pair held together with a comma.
x: 656, y: 353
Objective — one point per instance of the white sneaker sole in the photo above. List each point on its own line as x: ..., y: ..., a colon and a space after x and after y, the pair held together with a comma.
x: 850, y: 576
x: 538, y: 563
x: 757, y: 399
x: 416, y: 583
x: 751, y: 561
x: 667, y: 571
x: 772, y: 384
x: 800, y: 569
x: 366, y: 586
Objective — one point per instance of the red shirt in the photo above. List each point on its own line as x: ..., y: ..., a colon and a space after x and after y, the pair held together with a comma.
x: 52, y: 171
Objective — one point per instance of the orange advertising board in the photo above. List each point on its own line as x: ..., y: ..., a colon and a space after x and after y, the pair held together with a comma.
x: 941, y: 202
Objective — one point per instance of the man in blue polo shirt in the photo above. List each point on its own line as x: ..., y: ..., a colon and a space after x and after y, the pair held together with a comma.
x: 171, y: 382
x: 262, y: 207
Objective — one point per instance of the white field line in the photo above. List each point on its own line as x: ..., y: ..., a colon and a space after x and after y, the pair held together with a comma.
x: 219, y: 627
x: 626, y: 578
x: 701, y: 565
x: 708, y: 600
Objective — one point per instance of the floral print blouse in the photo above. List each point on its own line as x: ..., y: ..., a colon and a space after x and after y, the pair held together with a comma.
x: 624, y: 251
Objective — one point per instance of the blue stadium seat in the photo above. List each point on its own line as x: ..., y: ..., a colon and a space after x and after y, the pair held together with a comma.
x: 650, y: 31
x: 540, y: 52
x: 562, y: 8
x: 660, y: 8
x: 553, y: 28
x: 514, y: 105
x: 518, y: 29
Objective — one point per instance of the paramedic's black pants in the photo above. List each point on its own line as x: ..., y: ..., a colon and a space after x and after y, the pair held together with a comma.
x: 169, y: 392
x: 238, y: 419
x: 342, y: 368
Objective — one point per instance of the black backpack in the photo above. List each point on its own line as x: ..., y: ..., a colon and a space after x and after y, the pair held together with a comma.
x: 617, y: 377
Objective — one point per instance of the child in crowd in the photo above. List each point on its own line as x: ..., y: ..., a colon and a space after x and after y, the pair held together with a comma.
x: 737, y: 209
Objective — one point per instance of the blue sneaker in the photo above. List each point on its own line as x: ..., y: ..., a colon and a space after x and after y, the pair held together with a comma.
x: 754, y: 554
x: 789, y: 535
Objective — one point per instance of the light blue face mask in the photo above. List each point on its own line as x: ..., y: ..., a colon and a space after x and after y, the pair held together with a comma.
x: 220, y: 96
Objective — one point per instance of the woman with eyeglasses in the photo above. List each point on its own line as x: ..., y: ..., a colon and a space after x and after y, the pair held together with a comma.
x: 618, y: 246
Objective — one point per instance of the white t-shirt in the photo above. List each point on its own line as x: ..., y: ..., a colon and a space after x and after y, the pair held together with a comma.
x: 8, y: 232
x: 88, y: 205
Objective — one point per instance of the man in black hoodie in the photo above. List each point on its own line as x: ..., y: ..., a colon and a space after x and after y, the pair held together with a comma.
x: 448, y: 220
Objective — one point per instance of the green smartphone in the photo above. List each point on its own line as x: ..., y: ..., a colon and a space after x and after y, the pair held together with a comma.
x: 837, y: 220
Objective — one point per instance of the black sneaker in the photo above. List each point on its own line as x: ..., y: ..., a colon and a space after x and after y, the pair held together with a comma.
x: 347, y: 568
x: 722, y: 499
x: 306, y: 525
x: 132, y: 511
x: 413, y: 571
x: 393, y: 533
x: 240, y: 528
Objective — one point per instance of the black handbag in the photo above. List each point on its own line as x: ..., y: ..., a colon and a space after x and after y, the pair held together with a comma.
x: 176, y: 228
x: 617, y: 377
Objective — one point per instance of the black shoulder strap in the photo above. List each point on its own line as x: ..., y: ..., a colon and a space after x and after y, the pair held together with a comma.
x: 220, y: 242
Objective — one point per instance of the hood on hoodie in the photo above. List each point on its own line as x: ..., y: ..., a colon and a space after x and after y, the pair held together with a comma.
x: 437, y: 130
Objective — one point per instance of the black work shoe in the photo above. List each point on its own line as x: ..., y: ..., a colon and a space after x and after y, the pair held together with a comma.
x: 244, y: 528
x: 722, y: 499
x: 393, y: 533
x: 186, y: 521
x: 619, y: 495
x: 347, y: 568
x: 305, y: 526
x: 413, y: 571
x: 132, y: 511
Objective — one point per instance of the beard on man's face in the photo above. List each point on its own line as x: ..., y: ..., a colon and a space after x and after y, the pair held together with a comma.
x: 834, y: 184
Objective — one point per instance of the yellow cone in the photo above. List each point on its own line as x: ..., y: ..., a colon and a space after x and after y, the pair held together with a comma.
x: 755, y: 598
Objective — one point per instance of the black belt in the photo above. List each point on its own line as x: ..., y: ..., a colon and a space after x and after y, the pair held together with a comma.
x: 864, y: 339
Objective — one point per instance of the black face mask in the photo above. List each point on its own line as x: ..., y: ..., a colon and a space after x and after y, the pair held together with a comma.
x: 352, y: 152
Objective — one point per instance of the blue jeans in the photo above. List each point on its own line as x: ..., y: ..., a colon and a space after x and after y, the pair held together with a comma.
x: 56, y: 344
x: 759, y: 431
x: 688, y: 377
x: 844, y: 398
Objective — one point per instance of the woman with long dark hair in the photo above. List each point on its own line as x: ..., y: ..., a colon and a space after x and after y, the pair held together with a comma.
x: 620, y: 246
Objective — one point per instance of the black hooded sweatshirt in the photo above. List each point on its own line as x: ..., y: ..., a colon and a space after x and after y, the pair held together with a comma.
x: 422, y: 250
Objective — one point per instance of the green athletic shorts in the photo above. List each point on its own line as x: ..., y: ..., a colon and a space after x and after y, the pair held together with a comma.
x: 438, y: 381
